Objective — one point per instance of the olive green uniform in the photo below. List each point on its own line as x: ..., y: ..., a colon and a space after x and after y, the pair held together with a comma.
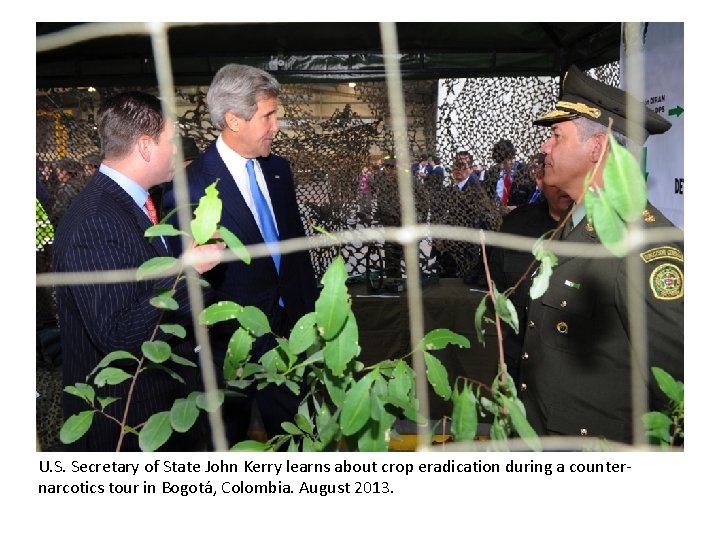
x: 576, y: 361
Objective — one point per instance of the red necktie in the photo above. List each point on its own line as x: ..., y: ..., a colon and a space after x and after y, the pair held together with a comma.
x: 506, y: 189
x: 150, y: 206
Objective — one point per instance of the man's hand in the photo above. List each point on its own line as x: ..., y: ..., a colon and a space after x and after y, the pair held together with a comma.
x: 205, y: 257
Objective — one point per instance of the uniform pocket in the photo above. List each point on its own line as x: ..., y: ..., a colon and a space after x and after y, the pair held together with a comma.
x: 568, y: 319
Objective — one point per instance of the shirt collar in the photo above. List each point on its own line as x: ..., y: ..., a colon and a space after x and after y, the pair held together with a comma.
x: 230, y: 156
x: 138, y: 193
x: 578, y: 214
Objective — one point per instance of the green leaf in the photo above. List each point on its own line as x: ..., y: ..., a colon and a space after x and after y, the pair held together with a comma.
x: 675, y: 390
x: 105, y: 401
x: 332, y: 306
x: 234, y: 244
x: 541, y: 281
x: 291, y: 428
x: 437, y: 376
x: 251, y: 446
x: 372, y: 437
x: 254, y: 320
x: 327, y: 425
x: 479, y: 315
x: 250, y: 369
x: 498, y: 435
x: 174, y: 329
x: 464, y: 415
x: 303, y: 334
x: 401, y: 382
x: 158, y: 266
x: 156, y: 351
x: 441, y: 338
x: 506, y: 310
x: 237, y: 353
x: 165, y: 300
x: 303, y: 423
x: 220, y: 311
x: 624, y: 183
x: 162, y: 229
x: 111, y: 375
x: 203, y: 401
x: 356, y: 408
x: 196, y: 279
x: 76, y: 426
x: 183, y: 414
x: 283, y: 347
x: 182, y: 361
x: 207, y: 215
x: 164, y: 369
x: 292, y: 446
x: 155, y: 432
x: 83, y: 391
x: 113, y: 357
x: 657, y: 426
x: 343, y: 348
x: 336, y: 387
x: 520, y: 424
x: 489, y: 406
x: 607, y: 223
x: 308, y: 445
x: 273, y: 362
x: 412, y: 412
x: 239, y: 384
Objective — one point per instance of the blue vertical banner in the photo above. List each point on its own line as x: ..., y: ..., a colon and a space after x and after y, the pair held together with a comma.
x: 662, y: 46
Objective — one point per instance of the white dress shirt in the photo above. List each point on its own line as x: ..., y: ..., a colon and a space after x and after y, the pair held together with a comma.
x: 236, y: 165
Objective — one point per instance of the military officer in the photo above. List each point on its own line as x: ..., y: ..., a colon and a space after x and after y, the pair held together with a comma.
x: 576, y: 359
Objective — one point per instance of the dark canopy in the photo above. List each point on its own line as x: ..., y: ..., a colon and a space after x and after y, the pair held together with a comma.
x: 330, y: 52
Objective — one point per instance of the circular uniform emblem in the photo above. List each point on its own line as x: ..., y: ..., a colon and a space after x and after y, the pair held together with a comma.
x: 666, y: 282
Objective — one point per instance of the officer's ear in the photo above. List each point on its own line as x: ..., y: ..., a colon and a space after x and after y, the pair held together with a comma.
x: 597, y: 142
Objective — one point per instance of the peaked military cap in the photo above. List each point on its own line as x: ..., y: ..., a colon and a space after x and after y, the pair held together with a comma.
x: 583, y: 96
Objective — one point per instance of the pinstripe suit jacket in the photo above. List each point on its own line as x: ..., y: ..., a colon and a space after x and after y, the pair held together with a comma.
x: 103, y: 230
x: 257, y: 284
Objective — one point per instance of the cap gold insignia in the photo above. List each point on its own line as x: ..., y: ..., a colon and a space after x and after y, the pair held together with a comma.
x: 649, y: 218
x: 580, y: 108
x: 667, y: 282
x: 662, y: 252
x: 556, y: 114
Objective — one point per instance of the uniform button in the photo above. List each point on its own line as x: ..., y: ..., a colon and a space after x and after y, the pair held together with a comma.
x: 562, y: 327
x: 531, y: 324
x: 583, y: 431
x: 525, y: 356
x: 523, y: 387
x: 563, y: 303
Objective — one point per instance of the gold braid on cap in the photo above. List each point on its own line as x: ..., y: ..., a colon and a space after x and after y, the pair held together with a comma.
x: 580, y: 108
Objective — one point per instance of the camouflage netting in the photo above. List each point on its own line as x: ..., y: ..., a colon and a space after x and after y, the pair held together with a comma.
x: 327, y: 155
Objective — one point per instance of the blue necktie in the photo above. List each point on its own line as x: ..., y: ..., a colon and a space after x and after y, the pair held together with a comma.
x: 267, y: 225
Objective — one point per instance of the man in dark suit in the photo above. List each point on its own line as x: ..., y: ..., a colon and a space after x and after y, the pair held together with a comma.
x: 507, y: 266
x: 104, y: 230
x: 578, y: 353
x: 463, y: 173
x: 259, y: 205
